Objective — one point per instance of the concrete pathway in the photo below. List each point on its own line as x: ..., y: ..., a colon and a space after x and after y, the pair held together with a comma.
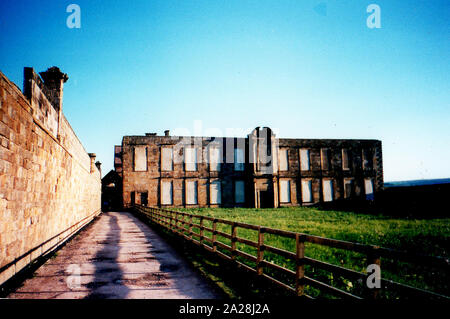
x: 117, y: 256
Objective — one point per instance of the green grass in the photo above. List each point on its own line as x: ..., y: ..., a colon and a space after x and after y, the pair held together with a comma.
x: 428, y: 236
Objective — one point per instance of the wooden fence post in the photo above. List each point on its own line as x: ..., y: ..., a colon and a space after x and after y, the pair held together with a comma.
x: 214, y: 235
x: 173, y: 221
x: 233, y: 241
x: 183, y: 224
x: 190, y: 226
x: 300, y: 264
x: 260, y: 253
x: 176, y: 222
x: 201, y: 230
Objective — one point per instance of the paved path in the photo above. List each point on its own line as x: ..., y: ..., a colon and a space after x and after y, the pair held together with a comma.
x: 117, y: 256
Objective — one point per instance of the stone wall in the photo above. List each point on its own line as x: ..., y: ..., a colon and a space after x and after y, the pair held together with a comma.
x: 149, y: 181
x: 326, y: 173
x: 49, y: 186
x: 335, y: 172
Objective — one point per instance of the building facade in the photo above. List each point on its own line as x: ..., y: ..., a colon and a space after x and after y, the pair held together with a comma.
x: 258, y: 171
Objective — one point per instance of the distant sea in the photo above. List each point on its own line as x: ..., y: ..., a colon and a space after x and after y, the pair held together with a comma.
x: 418, y: 182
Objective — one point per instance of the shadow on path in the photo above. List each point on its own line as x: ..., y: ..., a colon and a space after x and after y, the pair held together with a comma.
x: 187, y: 280
x: 108, y: 275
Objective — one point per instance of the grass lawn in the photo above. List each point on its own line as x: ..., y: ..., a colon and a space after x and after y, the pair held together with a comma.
x: 425, y: 236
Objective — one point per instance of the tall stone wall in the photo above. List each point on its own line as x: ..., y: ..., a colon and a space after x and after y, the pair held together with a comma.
x: 49, y: 186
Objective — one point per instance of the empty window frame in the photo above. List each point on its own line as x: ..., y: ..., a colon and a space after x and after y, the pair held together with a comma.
x: 214, y: 159
x: 367, y: 158
x: 190, y: 159
x: 167, y: 159
x: 325, y: 159
x: 239, y: 192
x: 133, y: 198
x: 215, y: 192
x: 327, y: 189
x: 191, y: 192
x: 304, y: 160
x: 264, y: 156
x: 140, y: 158
x: 285, y: 191
x: 166, y: 193
x: 239, y: 159
x: 144, y: 198
x: 284, y: 159
x: 306, y: 191
x: 349, y: 188
x: 368, y: 188
x: 346, y: 160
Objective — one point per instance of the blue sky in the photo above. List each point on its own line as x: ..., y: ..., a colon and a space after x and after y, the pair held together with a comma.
x: 308, y: 69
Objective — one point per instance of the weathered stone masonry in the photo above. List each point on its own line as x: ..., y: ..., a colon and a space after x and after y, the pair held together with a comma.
x: 49, y: 185
x: 259, y: 171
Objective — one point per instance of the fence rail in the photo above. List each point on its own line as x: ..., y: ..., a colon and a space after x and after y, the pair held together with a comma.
x: 182, y: 224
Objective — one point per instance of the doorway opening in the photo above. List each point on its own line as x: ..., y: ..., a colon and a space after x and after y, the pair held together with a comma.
x: 265, y: 199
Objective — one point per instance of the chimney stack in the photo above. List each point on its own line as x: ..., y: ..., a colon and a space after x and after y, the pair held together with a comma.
x: 99, y: 167
x: 54, y: 80
x: 92, y: 156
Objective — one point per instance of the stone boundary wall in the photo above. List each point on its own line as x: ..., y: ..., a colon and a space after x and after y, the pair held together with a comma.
x: 49, y: 185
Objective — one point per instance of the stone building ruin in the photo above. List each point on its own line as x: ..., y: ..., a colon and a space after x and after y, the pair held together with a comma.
x: 257, y: 171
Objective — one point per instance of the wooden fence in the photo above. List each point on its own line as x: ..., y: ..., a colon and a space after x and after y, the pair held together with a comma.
x: 183, y: 225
